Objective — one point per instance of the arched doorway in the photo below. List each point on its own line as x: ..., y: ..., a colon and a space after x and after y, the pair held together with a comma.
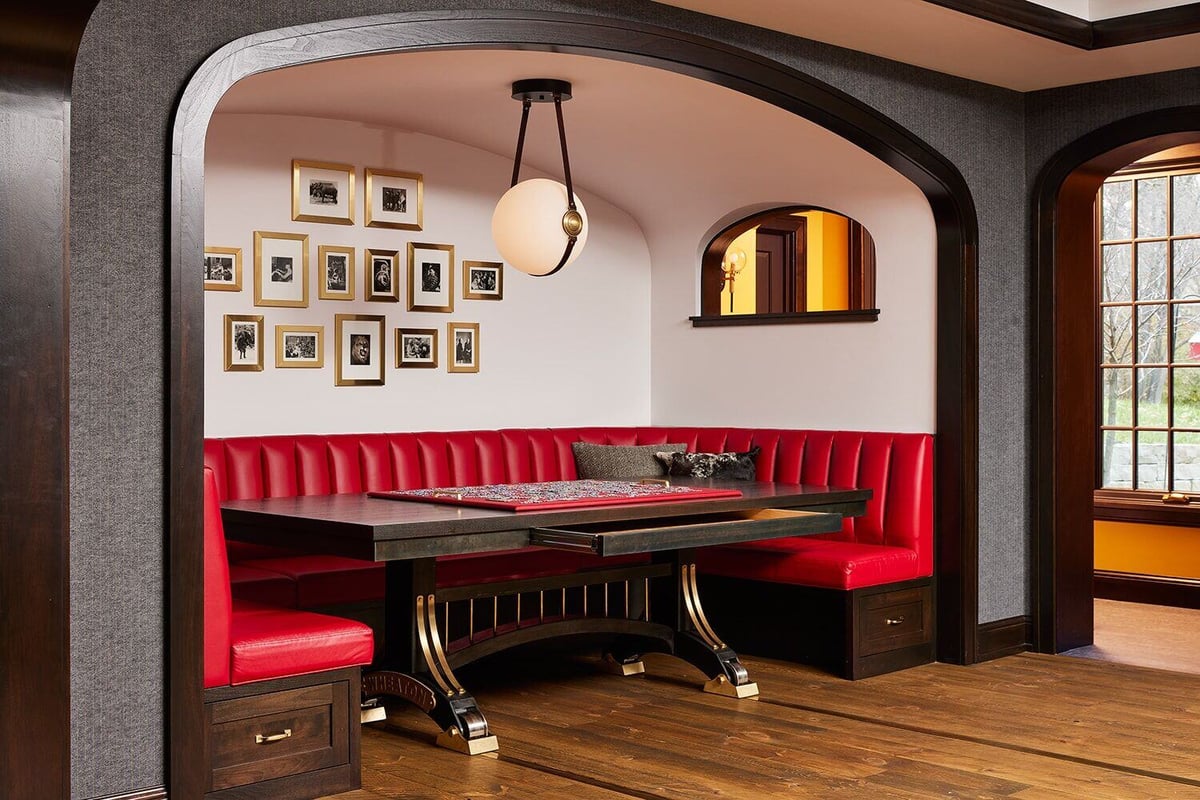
x: 1065, y: 392
x: 947, y: 193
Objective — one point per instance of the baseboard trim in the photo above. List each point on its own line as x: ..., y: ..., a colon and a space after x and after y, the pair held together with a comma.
x: 158, y: 793
x: 1159, y: 590
x: 1004, y: 637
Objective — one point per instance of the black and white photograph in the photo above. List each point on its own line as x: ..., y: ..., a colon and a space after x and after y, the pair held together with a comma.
x: 416, y: 347
x: 243, y: 343
x: 393, y: 199
x: 483, y: 280
x: 223, y: 269
x: 299, y: 346
x: 463, y: 344
x: 336, y: 281
x: 382, y: 275
x: 430, y: 277
x: 358, y: 350
x: 322, y: 192
x: 280, y: 269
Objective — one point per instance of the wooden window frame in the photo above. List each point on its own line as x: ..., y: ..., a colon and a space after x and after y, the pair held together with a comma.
x: 1156, y: 506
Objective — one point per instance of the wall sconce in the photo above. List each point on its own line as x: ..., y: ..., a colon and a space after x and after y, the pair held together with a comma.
x: 731, y: 266
x: 539, y: 226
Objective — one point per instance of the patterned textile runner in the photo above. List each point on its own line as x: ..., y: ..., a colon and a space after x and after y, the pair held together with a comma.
x: 557, y: 494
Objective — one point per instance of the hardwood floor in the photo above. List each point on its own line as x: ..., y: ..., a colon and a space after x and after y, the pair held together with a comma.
x: 1028, y: 726
x: 1146, y: 636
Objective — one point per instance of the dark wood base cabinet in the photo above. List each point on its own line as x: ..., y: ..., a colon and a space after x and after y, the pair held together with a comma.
x: 285, y: 739
x: 855, y: 634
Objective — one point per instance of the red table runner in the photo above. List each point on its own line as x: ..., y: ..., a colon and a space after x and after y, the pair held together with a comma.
x: 557, y: 494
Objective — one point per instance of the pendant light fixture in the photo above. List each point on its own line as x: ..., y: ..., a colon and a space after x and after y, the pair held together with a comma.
x: 539, y: 225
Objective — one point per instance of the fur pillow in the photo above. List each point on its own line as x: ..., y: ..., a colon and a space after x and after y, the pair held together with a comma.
x: 730, y: 466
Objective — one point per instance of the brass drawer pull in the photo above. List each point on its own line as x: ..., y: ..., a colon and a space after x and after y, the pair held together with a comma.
x: 1176, y: 498
x: 274, y: 737
x: 894, y: 620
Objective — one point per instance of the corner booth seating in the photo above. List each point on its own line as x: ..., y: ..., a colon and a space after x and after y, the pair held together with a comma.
x: 281, y: 699
x: 858, y: 601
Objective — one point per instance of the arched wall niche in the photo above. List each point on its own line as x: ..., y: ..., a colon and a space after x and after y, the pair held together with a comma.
x: 1064, y: 404
x: 949, y: 198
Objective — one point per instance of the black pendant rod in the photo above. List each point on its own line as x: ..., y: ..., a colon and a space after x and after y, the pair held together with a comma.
x: 525, y: 106
x: 562, y: 139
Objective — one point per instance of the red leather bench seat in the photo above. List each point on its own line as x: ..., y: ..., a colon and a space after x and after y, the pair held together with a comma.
x: 892, y: 542
x: 248, y: 642
x: 256, y: 585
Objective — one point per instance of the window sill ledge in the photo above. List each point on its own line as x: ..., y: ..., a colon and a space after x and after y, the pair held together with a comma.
x: 1148, y: 508
x: 793, y: 318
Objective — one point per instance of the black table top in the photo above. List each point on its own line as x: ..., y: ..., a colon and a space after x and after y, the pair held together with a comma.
x: 379, y: 529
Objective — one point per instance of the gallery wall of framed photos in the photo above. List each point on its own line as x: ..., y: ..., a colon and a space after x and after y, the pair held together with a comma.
x: 353, y: 265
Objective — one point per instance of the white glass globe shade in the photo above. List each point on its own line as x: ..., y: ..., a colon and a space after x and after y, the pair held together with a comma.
x: 527, y: 226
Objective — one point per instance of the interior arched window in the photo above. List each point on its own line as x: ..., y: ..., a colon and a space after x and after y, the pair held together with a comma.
x: 789, y: 264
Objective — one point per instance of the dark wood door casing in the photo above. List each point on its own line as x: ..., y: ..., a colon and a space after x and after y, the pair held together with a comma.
x: 956, y: 457
x: 38, y: 47
x: 1065, y: 393
x: 782, y: 280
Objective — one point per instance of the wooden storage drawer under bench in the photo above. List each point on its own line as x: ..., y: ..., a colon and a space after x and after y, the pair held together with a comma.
x: 283, y: 738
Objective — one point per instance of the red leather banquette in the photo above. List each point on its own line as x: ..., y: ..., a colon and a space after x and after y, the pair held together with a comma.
x: 889, y: 546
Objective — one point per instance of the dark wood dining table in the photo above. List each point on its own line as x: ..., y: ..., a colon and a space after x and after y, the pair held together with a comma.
x: 647, y: 601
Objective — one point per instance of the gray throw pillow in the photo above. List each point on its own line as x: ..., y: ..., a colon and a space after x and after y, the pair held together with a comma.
x: 611, y: 461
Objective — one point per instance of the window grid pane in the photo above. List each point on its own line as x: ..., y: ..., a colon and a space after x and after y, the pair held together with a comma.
x: 1149, y: 337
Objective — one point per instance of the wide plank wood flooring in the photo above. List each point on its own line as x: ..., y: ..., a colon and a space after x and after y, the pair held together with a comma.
x: 1028, y: 726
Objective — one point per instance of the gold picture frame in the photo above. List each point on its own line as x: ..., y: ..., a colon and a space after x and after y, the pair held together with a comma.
x: 299, y: 346
x: 393, y: 199
x: 359, y: 350
x: 222, y: 269
x: 462, y: 347
x: 483, y: 280
x: 335, y: 272
x: 416, y: 348
x: 381, y: 275
x: 280, y: 283
x: 322, y: 191
x: 243, y: 342
x: 430, y: 277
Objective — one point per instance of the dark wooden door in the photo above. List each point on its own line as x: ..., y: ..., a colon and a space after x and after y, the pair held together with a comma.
x: 781, y: 270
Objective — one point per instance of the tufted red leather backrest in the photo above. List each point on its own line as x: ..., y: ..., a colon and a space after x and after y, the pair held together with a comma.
x: 218, y: 606
x: 898, y: 467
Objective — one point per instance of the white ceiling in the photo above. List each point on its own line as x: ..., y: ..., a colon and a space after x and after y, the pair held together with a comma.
x: 1093, y: 10
x: 928, y: 35
x: 641, y: 138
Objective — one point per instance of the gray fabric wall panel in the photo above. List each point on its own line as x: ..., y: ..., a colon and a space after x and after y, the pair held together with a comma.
x: 135, y: 60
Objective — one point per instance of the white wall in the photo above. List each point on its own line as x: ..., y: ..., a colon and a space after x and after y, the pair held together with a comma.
x: 569, y: 350
x: 850, y: 375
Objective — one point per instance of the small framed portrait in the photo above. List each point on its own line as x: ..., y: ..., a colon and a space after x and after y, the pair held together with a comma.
x: 416, y: 347
x: 430, y: 277
x: 336, y: 272
x: 483, y: 280
x: 223, y: 269
x: 243, y: 342
x: 394, y: 199
x: 322, y: 192
x: 359, y: 350
x: 462, y: 342
x: 299, y: 346
x: 381, y: 277
x: 281, y: 269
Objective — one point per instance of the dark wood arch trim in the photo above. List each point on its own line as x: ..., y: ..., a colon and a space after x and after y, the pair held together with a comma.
x: 949, y: 198
x: 1064, y: 380
x: 38, y: 47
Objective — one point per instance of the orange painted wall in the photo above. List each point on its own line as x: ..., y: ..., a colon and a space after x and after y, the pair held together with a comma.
x: 1148, y: 549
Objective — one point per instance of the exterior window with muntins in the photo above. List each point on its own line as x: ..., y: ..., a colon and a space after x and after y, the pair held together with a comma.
x: 1149, y: 337
x: 786, y: 265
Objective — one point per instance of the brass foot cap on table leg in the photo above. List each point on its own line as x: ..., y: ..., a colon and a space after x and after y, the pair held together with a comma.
x: 451, y: 739
x: 373, y: 714
x: 623, y: 668
x: 721, y: 685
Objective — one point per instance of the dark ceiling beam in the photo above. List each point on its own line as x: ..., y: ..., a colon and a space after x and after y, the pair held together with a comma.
x: 1059, y: 27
